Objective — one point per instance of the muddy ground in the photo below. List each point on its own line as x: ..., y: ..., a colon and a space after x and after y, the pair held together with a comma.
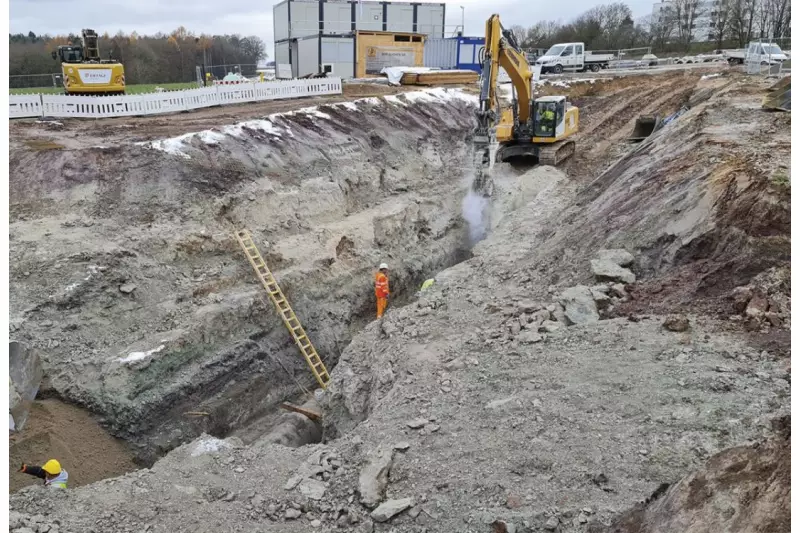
x: 58, y: 430
x: 546, y: 431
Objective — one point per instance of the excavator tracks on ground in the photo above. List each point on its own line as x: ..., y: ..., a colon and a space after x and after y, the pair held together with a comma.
x: 556, y: 153
x: 283, y: 308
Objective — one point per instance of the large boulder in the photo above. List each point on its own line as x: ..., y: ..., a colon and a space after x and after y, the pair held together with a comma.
x: 579, y: 305
x: 374, y: 476
x: 25, y: 377
x: 388, y: 509
x: 606, y: 270
x: 618, y: 256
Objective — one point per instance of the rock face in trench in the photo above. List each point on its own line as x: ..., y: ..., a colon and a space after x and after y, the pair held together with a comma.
x: 125, y: 269
x: 746, y: 489
x: 703, y: 205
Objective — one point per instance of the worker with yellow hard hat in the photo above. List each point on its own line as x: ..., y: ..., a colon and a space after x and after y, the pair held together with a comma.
x: 51, y: 472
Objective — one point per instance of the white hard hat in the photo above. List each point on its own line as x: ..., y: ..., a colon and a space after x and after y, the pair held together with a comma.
x: 383, y: 265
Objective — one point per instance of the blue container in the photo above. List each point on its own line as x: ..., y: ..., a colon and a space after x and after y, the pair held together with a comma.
x: 462, y: 53
x: 468, y: 53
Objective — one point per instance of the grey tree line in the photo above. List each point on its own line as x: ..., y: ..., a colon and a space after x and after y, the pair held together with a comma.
x: 673, y: 28
x: 160, y: 58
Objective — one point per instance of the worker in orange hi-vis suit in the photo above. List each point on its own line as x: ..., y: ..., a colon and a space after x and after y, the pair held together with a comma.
x: 382, y: 288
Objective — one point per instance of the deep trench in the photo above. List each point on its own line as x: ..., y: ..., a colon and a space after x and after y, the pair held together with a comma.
x: 246, y: 412
x: 228, y: 375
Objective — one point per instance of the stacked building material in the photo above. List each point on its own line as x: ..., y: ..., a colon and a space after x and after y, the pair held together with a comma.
x: 439, y: 77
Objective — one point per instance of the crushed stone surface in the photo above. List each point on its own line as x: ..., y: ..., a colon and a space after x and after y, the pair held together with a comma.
x: 492, y: 408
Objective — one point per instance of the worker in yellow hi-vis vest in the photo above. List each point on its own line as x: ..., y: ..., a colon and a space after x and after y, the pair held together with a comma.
x: 51, y: 472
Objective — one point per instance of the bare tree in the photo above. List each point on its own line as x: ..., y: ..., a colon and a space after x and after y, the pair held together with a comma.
x: 780, y: 17
x: 722, y: 20
x: 519, y: 33
x: 739, y: 20
x: 643, y: 31
x: 542, y: 34
x: 686, y: 13
x: 762, y: 18
x: 664, y: 26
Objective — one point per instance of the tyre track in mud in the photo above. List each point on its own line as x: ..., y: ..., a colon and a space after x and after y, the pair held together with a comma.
x: 611, y: 127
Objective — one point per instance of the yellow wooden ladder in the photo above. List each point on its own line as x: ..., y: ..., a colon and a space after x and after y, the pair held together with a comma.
x: 284, y: 309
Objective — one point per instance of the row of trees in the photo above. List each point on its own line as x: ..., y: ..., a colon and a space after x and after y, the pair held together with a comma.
x: 673, y: 28
x: 160, y: 58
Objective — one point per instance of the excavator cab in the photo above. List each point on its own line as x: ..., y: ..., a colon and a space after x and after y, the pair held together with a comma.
x: 548, y: 116
x: 69, y: 54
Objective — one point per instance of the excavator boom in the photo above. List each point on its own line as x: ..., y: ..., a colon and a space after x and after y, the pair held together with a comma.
x: 501, y: 50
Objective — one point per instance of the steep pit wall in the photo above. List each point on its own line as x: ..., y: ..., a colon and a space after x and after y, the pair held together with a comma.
x: 126, y: 276
x: 703, y: 204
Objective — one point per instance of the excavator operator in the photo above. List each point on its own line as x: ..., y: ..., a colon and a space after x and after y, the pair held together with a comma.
x: 547, y: 118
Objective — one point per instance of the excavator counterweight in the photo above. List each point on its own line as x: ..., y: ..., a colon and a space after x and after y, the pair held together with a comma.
x: 84, y: 72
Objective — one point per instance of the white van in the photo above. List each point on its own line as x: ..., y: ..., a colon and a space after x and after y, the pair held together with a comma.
x: 572, y: 56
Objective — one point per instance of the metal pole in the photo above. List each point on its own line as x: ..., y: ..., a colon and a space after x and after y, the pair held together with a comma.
x: 463, y: 31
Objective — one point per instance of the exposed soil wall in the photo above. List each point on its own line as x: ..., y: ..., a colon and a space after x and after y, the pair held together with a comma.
x: 127, y: 277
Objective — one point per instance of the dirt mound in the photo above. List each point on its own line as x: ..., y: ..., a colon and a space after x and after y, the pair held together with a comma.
x: 746, y: 489
x: 56, y: 430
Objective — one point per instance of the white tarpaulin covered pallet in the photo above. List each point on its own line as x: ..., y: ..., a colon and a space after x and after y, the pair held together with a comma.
x: 56, y: 105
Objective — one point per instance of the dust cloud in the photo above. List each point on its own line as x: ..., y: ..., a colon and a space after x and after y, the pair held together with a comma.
x: 474, y: 211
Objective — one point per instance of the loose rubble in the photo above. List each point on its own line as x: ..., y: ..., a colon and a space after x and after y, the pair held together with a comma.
x: 512, y: 395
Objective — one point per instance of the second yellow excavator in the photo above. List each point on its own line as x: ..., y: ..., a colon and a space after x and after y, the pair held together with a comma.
x: 539, y: 127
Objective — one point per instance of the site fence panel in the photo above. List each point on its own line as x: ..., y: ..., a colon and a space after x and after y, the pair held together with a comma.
x: 54, y: 105
x: 25, y: 106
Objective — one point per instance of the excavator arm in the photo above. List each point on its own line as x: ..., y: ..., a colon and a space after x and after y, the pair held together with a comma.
x: 501, y: 50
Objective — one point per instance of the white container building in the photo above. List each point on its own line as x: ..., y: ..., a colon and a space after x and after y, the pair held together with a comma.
x: 314, y: 36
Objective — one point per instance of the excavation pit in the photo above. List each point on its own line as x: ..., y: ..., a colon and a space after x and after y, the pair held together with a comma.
x: 327, y: 192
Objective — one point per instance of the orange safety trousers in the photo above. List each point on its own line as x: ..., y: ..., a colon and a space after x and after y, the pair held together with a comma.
x: 381, y: 292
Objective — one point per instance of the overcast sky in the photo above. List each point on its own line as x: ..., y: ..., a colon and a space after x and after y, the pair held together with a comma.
x: 248, y: 17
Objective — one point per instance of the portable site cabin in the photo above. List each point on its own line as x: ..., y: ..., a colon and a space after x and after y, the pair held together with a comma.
x: 459, y: 53
x: 313, y: 36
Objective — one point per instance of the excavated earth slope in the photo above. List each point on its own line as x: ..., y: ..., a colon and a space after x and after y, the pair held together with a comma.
x: 127, y: 278
x: 476, y: 408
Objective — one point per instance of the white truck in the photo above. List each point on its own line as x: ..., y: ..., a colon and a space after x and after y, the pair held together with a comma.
x: 763, y: 53
x: 572, y: 56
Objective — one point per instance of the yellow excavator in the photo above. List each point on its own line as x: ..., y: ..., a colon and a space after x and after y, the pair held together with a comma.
x: 84, y: 72
x: 541, y: 128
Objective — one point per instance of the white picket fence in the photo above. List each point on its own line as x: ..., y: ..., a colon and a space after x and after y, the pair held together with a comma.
x: 59, y: 105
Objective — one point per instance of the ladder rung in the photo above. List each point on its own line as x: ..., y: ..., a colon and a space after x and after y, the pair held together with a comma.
x: 282, y: 306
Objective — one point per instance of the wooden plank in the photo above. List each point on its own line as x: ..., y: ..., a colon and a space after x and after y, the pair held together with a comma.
x: 312, y: 415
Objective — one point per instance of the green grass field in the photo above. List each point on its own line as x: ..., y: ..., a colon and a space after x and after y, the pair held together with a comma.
x: 131, y: 89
